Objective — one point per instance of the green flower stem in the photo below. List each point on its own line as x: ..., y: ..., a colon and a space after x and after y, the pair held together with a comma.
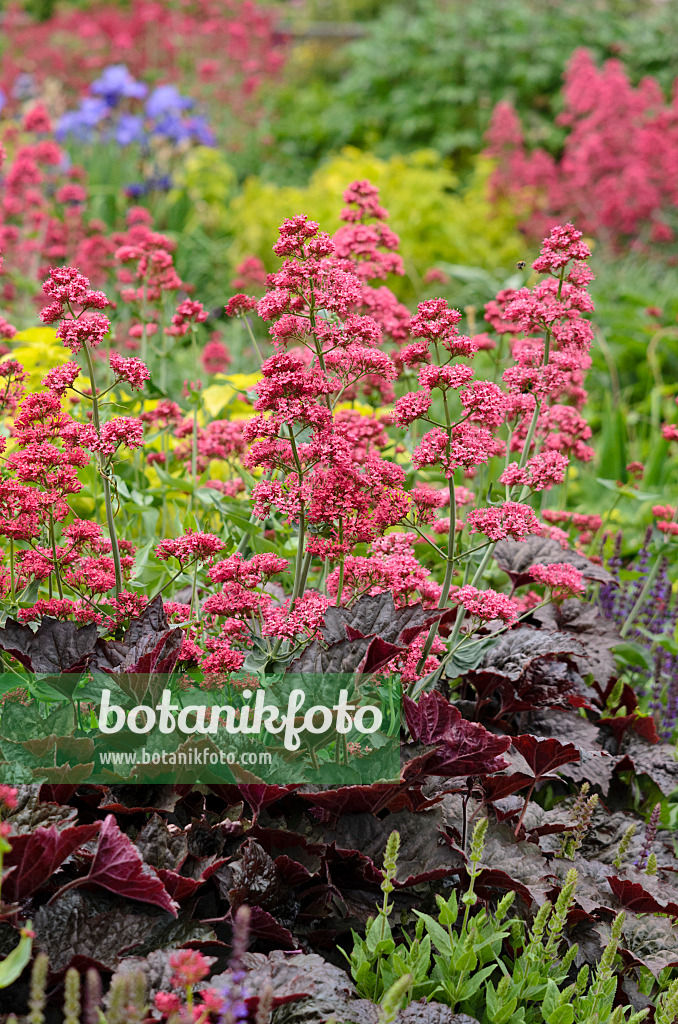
x: 298, y: 568
x: 115, y: 552
x: 252, y: 338
x: 449, y: 573
x: 449, y: 566
x: 55, y: 557
x: 194, y: 588
x: 478, y: 575
x: 340, y: 587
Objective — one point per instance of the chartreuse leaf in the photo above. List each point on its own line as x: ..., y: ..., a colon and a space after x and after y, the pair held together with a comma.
x: 14, y: 963
x: 439, y: 937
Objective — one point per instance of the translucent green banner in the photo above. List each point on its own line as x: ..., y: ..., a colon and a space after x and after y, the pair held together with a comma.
x: 121, y: 729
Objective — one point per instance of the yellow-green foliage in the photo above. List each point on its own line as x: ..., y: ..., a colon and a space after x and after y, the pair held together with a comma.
x: 436, y: 218
x: 206, y: 179
x: 38, y: 350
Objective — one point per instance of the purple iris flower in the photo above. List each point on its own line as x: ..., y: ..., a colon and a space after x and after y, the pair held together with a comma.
x: 166, y: 99
x: 115, y: 83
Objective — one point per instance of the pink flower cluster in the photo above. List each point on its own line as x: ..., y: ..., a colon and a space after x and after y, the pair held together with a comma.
x: 617, y: 173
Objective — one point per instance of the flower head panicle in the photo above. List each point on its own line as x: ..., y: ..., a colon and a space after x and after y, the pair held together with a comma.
x: 7, y: 330
x: 248, y: 573
x: 562, y: 579
x: 511, y: 519
x: 165, y: 414
x: 133, y: 371
x: 8, y: 796
x: 68, y: 288
x: 12, y: 378
x: 189, y: 966
x: 239, y: 305
x: 485, y: 403
x: 250, y: 273
x: 190, y: 547
x: 294, y: 235
x: 301, y: 621
x: 539, y: 473
x: 371, y: 246
x: 84, y: 330
x: 466, y: 446
x: 563, y: 245
x: 61, y: 378
x: 125, y: 430
x: 455, y: 376
x: 438, y: 324
x: 400, y: 572
x: 127, y: 606
x: 37, y: 119
x: 215, y: 356
x: 64, y: 609
x: 188, y: 312
x: 362, y: 199
x: 485, y: 604
x: 649, y: 839
x: 412, y: 406
x: 167, y: 1003
x: 427, y: 500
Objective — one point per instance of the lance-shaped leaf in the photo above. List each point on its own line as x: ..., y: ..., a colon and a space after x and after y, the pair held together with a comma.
x: 118, y: 867
x: 12, y: 965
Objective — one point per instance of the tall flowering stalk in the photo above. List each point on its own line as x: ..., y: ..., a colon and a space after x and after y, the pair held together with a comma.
x: 550, y: 353
x: 328, y: 472
x: 350, y: 489
x: 82, y: 330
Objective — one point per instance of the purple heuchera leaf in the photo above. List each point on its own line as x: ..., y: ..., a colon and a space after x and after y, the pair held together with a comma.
x: 429, y: 719
x: 119, y: 867
x: 469, y: 749
x: 463, y: 748
x: 544, y: 756
x: 35, y: 856
x: 54, y: 647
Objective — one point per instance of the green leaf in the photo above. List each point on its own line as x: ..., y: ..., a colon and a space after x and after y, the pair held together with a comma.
x: 472, y: 984
x: 563, y: 1015
x: 14, y: 963
x: 628, y: 492
x: 633, y: 654
x: 439, y: 936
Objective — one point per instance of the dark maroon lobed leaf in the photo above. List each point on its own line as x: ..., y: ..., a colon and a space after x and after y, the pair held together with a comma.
x: 55, y: 646
x: 152, y: 621
x: 119, y: 868
x: 372, y: 616
x: 515, y: 558
x: 431, y: 718
x: 35, y: 856
x: 637, y: 898
x: 544, y: 756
